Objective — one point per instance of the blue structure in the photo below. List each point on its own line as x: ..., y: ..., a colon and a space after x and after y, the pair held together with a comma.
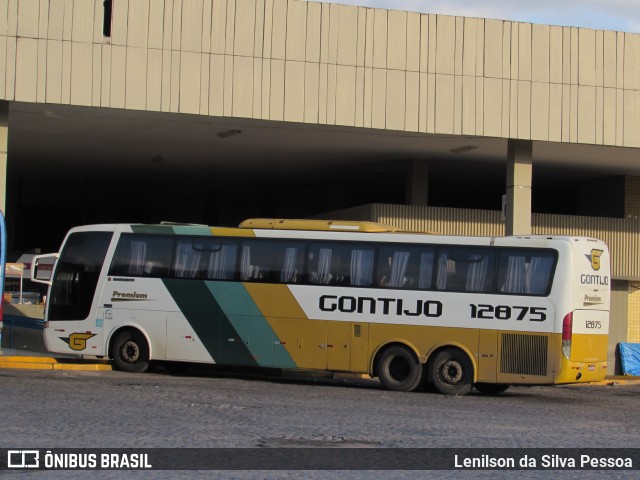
x: 3, y: 262
x: 630, y: 356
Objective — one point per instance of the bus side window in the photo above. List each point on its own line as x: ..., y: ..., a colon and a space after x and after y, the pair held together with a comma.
x: 142, y: 256
x: 188, y: 260
x: 405, y: 266
x: 361, y: 267
x: 341, y: 264
x: 320, y: 265
x: 205, y: 258
x: 271, y: 261
x: 523, y: 272
x: 465, y: 270
x: 392, y: 267
x: 220, y: 259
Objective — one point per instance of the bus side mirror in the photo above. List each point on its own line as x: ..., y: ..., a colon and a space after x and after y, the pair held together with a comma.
x: 42, y: 268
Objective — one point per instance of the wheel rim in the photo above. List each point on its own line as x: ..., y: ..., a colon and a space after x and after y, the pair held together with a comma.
x: 130, y: 352
x: 399, y: 368
x: 452, y: 372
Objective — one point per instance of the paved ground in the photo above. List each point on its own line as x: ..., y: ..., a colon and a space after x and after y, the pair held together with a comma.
x: 56, y: 409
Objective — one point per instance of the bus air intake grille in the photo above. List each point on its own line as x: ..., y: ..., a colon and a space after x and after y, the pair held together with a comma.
x: 524, y: 354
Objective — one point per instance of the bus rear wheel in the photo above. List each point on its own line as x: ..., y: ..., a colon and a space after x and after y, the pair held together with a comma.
x: 399, y: 369
x: 452, y: 372
x: 130, y: 352
x: 491, y: 388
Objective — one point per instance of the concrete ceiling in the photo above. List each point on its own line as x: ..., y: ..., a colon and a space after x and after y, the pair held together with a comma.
x: 69, y: 166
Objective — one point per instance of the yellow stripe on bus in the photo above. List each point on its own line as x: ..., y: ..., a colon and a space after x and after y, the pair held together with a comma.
x: 231, y: 232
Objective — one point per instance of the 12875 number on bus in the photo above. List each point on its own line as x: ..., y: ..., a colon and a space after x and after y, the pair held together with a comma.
x: 507, y: 312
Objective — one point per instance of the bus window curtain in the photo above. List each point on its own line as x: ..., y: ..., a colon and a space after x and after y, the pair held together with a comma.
x: 399, y: 269
x: 441, y: 282
x: 514, y: 281
x: 426, y: 270
x: 538, y: 274
x: 187, y: 261
x: 477, y: 273
x: 222, y: 262
x: 361, y: 267
x: 288, y: 274
x: 245, y: 263
x: 137, y: 259
x: 324, y: 266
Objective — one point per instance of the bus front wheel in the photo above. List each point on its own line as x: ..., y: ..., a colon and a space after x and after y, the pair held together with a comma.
x: 452, y: 372
x: 399, y: 369
x: 130, y: 352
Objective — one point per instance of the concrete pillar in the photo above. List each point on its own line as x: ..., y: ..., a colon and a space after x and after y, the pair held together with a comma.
x: 518, y: 198
x: 4, y: 141
x: 417, y: 190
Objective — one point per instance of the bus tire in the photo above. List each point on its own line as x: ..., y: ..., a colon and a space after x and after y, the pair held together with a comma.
x: 130, y: 352
x: 491, y: 388
x: 399, y: 369
x: 452, y: 372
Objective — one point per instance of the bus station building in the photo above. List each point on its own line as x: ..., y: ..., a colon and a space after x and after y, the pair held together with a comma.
x: 212, y: 111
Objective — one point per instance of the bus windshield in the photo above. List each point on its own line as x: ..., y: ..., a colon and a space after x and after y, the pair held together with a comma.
x: 76, y: 276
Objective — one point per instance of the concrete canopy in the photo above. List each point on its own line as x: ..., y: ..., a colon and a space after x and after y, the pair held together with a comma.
x: 109, y: 165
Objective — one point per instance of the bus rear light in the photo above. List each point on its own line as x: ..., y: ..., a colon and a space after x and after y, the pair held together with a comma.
x: 567, y: 333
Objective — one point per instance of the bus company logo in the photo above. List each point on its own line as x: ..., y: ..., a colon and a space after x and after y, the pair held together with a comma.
x: 128, y: 296
x: 382, y: 306
x: 78, y: 341
x: 594, y: 258
x: 23, y: 459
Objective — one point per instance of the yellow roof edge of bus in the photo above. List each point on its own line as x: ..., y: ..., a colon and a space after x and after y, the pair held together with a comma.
x: 318, y: 225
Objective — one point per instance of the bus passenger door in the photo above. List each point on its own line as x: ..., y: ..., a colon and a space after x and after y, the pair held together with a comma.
x: 338, y: 345
x: 487, y: 356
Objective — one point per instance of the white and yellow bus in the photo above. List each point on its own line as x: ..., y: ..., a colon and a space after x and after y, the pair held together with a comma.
x: 408, y: 308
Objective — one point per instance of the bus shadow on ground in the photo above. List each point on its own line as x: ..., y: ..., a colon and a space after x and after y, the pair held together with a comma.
x: 301, y: 377
x: 306, y: 377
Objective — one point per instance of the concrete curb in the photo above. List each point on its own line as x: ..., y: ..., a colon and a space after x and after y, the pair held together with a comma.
x: 617, y: 380
x: 50, y: 363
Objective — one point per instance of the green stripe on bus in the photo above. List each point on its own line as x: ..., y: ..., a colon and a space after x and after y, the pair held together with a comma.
x: 201, y: 230
x: 192, y: 230
x: 252, y: 327
x: 209, y: 321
